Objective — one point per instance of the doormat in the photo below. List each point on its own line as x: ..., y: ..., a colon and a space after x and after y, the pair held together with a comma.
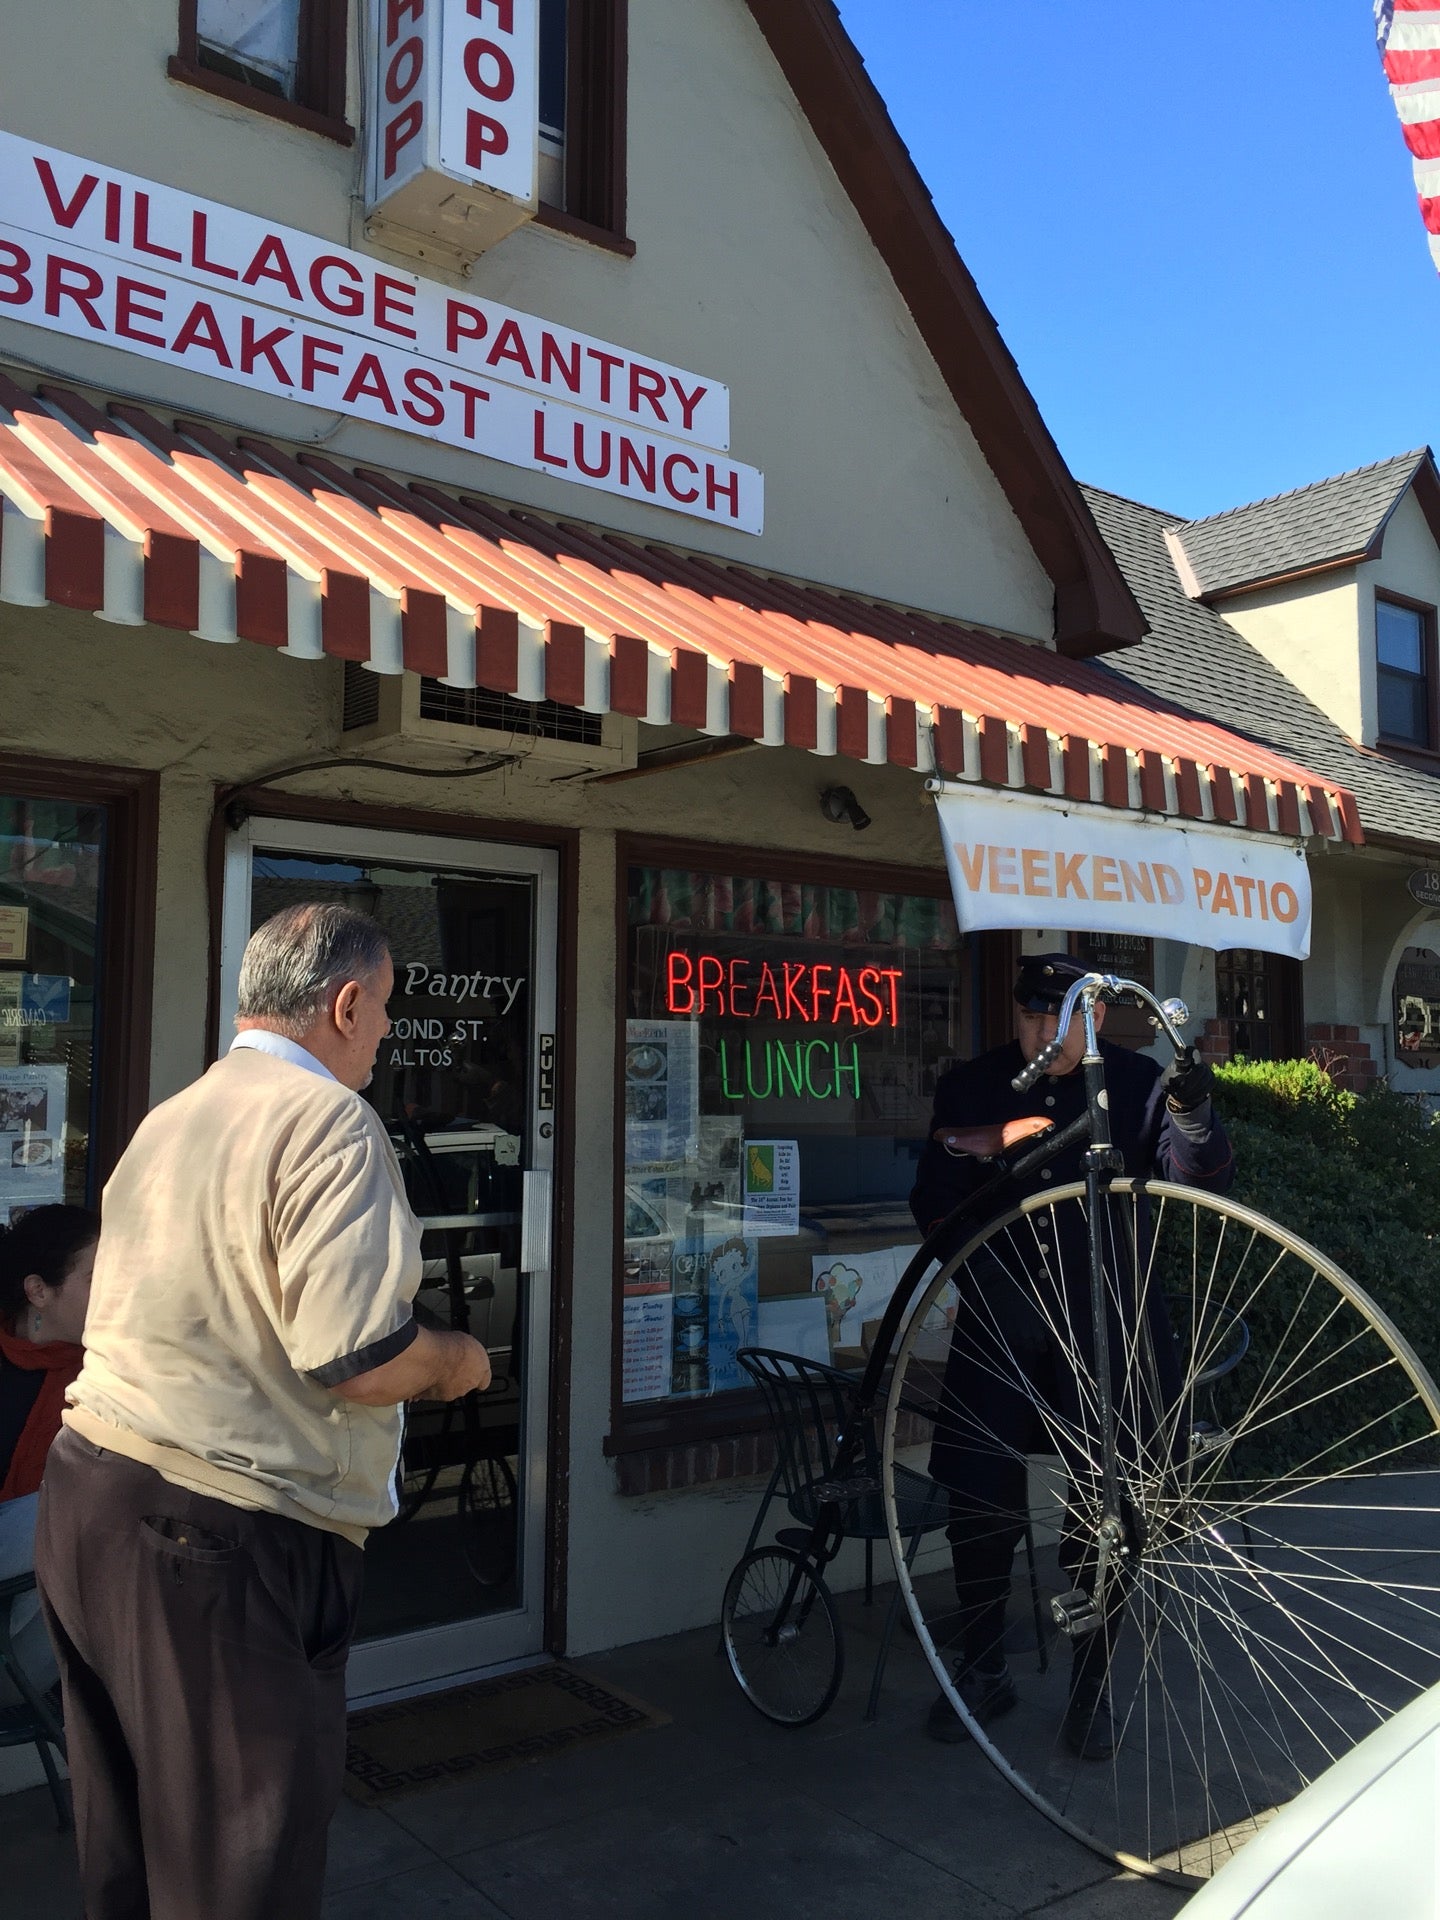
x: 488, y: 1727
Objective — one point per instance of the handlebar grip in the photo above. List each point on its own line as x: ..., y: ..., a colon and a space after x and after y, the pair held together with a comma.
x: 1042, y: 1063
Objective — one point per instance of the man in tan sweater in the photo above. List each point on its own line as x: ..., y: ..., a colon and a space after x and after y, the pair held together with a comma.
x: 229, y: 1443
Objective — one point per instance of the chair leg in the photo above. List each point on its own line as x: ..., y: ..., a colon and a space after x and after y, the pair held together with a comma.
x: 892, y: 1614
x: 1040, y: 1647
x: 56, y: 1784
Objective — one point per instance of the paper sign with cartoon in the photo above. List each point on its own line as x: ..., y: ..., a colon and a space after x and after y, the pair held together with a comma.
x: 840, y: 1285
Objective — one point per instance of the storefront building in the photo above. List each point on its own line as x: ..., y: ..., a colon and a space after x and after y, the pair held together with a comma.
x: 345, y: 553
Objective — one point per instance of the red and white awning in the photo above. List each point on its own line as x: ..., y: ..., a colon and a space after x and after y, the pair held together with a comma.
x: 175, y: 525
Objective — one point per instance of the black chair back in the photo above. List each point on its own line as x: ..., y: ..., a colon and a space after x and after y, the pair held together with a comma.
x: 808, y: 1405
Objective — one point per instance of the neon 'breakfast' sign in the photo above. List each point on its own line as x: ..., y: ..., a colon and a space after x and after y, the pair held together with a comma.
x: 810, y: 991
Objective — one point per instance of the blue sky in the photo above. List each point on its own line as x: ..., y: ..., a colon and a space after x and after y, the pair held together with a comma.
x: 1195, y: 224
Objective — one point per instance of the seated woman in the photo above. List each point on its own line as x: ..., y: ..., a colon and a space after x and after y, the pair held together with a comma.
x: 45, y: 1263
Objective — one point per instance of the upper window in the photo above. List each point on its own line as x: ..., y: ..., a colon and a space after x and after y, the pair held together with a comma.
x: 1405, y: 672
x: 282, y: 56
x: 582, y: 111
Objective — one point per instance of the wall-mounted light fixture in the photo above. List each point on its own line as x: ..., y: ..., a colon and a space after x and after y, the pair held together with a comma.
x: 839, y: 803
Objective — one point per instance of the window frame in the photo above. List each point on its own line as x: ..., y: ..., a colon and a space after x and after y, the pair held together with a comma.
x: 1285, y: 984
x: 324, y: 33
x: 656, y: 1424
x: 1393, y: 743
x: 124, y: 1004
x: 596, y: 116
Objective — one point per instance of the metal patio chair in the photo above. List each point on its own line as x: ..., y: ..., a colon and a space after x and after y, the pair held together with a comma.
x: 32, y: 1720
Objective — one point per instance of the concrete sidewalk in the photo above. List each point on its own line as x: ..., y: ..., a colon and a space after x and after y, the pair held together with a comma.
x: 717, y: 1816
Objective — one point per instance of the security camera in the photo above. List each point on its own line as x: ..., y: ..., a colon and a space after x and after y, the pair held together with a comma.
x: 839, y: 803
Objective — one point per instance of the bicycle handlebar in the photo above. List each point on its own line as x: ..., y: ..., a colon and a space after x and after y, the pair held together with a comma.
x: 1170, y: 1015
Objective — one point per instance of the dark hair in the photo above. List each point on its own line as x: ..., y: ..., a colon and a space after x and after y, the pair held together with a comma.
x: 44, y: 1242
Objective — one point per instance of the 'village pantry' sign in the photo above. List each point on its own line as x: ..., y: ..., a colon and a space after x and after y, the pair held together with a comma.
x: 149, y: 269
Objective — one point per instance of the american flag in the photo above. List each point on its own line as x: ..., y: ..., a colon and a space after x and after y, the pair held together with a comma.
x: 1409, y: 35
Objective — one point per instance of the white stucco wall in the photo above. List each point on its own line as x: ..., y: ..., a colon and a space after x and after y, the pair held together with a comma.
x: 1310, y: 630
x: 751, y: 268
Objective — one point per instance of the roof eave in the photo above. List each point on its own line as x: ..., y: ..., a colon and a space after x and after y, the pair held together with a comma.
x: 1095, y: 611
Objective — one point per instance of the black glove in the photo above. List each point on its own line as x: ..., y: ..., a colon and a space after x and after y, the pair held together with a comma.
x: 1187, y: 1082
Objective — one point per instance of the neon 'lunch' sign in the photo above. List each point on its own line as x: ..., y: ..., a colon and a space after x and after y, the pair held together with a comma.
x: 811, y: 991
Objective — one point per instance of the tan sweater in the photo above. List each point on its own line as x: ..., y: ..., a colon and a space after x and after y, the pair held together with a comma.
x: 256, y: 1249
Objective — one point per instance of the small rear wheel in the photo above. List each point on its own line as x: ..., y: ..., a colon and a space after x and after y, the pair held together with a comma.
x: 488, y: 1502
x: 782, y: 1636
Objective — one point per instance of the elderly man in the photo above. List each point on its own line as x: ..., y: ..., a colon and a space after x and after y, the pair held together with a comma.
x: 230, y: 1442
x: 1005, y: 1354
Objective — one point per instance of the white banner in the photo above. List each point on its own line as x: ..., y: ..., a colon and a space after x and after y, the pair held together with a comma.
x: 1019, y: 861
x: 70, y: 291
x: 148, y: 227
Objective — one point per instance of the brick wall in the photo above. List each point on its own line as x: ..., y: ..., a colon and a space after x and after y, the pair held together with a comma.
x: 1340, y: 1050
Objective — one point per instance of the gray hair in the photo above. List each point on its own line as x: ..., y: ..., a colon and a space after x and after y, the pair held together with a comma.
x: 302, y: 956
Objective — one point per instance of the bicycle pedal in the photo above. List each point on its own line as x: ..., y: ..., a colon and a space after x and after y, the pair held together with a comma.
x: 1075, y: 1613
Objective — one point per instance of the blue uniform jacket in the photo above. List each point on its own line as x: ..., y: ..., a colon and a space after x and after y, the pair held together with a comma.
x: 1191, y: 1149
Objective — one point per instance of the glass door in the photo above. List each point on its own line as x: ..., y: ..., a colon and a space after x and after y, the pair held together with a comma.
x: 465, y: 1084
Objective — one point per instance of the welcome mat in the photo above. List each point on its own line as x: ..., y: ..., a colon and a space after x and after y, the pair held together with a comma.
x: 488, y: 1727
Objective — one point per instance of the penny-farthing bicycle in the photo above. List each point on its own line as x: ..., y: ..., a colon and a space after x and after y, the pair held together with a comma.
x: 1230, y: 1479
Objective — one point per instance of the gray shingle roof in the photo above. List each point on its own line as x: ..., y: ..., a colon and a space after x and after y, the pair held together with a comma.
x: 1194, y: 658
x: 1316, y: 526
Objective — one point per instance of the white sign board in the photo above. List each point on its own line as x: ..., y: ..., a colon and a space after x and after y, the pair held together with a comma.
x: 153, y: 271
x: 1019, y: 861
x: 455, y: 90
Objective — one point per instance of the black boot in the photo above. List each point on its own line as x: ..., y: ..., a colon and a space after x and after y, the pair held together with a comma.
x: 1089, y: 1726
x: 986, y: 1695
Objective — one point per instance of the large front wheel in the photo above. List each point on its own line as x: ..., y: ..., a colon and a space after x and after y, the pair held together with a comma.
x: 1266, y: 1590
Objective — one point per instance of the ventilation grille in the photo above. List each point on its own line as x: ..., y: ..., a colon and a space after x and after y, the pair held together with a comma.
x: 362, y: 697
x: 502, y: 713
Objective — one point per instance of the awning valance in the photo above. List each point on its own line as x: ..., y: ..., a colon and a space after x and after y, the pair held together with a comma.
x: 174, y: 524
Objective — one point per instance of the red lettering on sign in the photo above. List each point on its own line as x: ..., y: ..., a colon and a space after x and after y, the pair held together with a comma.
x: 717, y: 489
x: 368, y: 382
x: 502, y: 85
x: 595, y: 471
x: 83, y: 285
x: 635, y: 465
x: 667, y: 474
x: 397, y: 11
x: 462, y: 322
x: 199, y: 243
x: 400, y: 131
x: 483, y: 135
x: 425, y: 407
x: 607, y: 363
x: 404, y: 69
x: 256, y: 346
x: 647, y: 384
x: 510, y: 345
x: 16, y: 271
x: 688, y: 401
x: 272, y: 262
x: 201, y: 329
x: 812, y: 992
x: 141, y: 232
x: 347, y: 301
x: 541, y: 451
x: 473, y: 396
x: 504, y: 12
x: 393, y: 296
x: 65, y: 212
x: 553, y: 361
x: 128, y: 309
x: 311, y: 365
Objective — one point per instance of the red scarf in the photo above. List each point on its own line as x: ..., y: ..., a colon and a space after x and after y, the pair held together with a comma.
x: 59, y: 1360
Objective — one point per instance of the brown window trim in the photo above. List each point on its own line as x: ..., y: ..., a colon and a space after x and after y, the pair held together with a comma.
x: 659, y: 1426
x: 324, y: 25
x: 1427, y: 749
x: 596, y: 115
x: 122, y: 1065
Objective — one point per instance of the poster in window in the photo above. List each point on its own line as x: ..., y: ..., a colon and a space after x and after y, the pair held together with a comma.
x: 772, y: 1187
x: 32, y: 1136
x: 645, y: 1362
x: 14, y: 933
x: 662, y: 1093
x: 734, y: 1286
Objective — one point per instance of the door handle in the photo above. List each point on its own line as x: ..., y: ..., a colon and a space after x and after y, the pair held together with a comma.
x: 535, y: 1221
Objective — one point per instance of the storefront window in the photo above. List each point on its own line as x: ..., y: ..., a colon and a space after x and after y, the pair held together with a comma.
x: 1132, y: 957
x: 1417, y: 1008
x: 52, y: 859
x: 1259, y: 995
x: 782, y: 1044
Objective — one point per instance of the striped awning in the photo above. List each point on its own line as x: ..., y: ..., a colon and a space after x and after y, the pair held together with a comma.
x: 138, y: 521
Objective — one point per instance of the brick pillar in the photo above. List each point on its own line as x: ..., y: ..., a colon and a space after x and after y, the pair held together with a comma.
x: 1343, y: 1054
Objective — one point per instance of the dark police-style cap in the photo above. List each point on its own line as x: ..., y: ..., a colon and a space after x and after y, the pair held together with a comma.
x: 1044, y: 980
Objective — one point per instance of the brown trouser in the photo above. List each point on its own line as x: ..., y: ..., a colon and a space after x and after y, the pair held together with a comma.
x: 202, y: 1655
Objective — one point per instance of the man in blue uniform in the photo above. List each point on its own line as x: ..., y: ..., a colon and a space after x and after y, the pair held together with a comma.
x: 1010, y: 1388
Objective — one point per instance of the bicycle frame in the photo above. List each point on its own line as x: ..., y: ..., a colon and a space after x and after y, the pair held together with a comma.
x: 1102, y: 1163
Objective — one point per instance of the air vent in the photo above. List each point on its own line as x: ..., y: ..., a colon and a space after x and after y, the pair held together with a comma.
x: 502, y: 713
x: 362, y: 697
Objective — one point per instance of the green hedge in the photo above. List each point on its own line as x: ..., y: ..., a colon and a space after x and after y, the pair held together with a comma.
x: 1357, y: 1176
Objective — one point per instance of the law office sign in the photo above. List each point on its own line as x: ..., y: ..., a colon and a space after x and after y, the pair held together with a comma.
x: 1020, y: 861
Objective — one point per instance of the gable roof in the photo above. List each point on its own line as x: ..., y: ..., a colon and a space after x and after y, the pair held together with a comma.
x: 1194, y: 657
x: 1334, y: 523
x: 1094, y: 608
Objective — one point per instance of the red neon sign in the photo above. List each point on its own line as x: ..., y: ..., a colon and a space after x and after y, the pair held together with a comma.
x: 812, y: 991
